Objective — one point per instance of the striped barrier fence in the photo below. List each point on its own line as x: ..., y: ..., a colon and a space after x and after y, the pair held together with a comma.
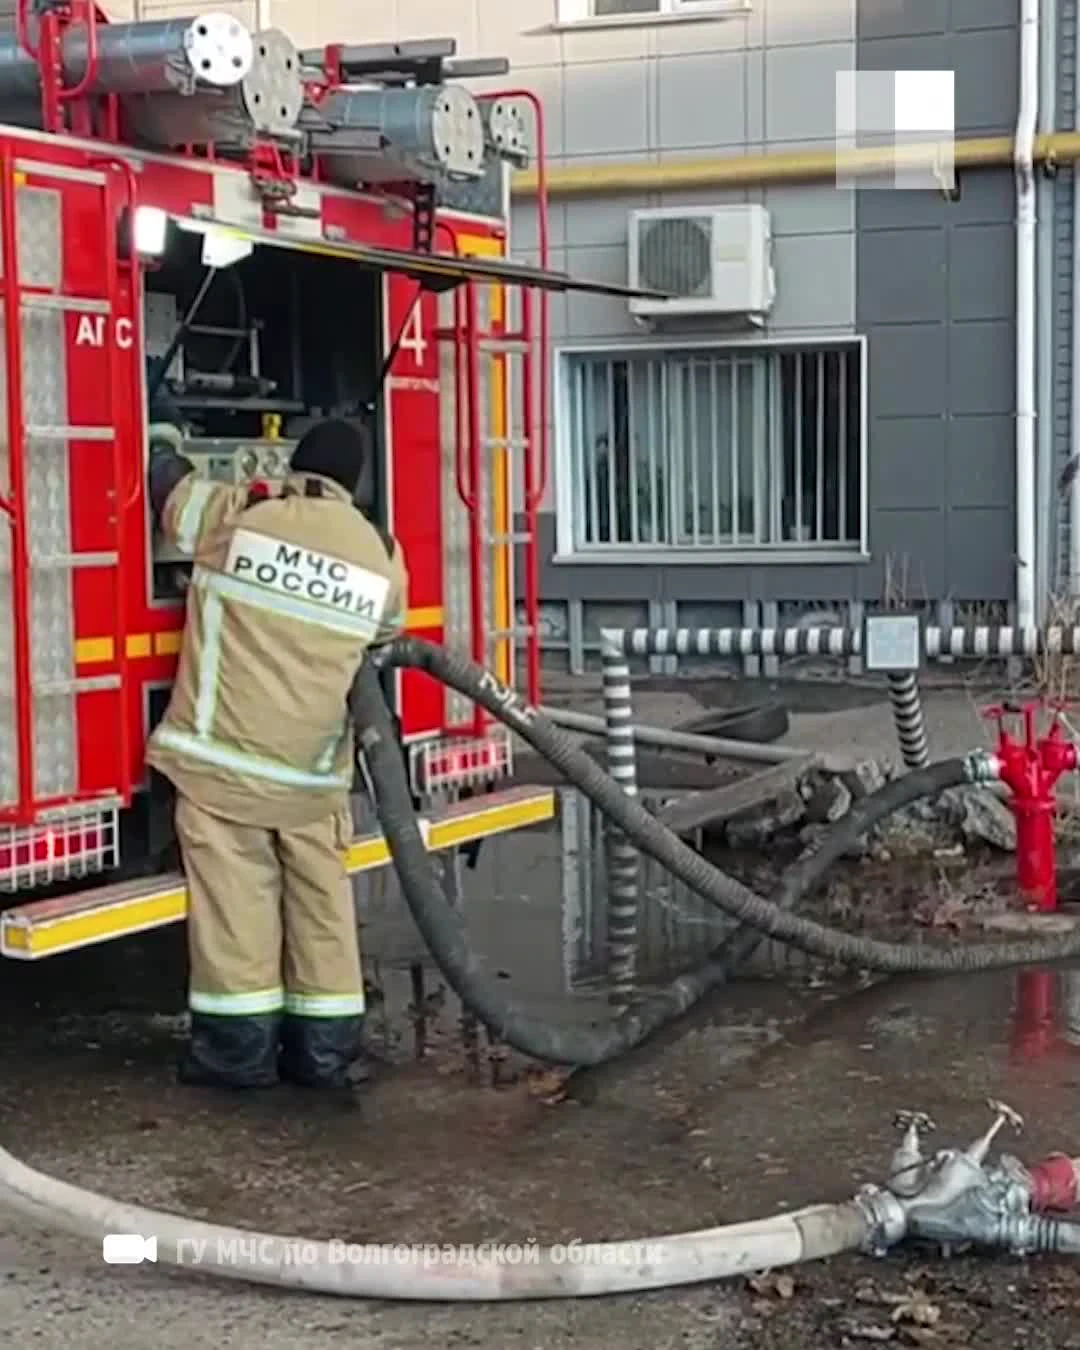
x: 618, y: 645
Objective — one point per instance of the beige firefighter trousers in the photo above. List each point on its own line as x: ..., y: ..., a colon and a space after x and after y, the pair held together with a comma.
x: 271, y: 921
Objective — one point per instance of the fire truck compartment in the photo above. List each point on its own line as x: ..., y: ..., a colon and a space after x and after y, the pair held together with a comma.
x: 262, y: 347
x: 280, y: 334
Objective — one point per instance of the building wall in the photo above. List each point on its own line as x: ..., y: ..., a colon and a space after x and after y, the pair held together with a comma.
x: 929, y: 282
x: 740, y: 84
x: 936, y: 299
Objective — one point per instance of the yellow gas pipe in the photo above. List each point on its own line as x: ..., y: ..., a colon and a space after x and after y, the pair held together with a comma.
x: 591, y: 178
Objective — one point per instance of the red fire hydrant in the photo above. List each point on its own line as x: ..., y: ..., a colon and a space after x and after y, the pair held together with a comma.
x: 1031, y: 769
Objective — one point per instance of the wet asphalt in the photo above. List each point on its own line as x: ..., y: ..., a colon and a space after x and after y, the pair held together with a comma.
x: 770, y: 1097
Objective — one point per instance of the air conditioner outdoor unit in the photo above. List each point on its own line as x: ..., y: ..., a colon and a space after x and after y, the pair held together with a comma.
x: 709, y: 259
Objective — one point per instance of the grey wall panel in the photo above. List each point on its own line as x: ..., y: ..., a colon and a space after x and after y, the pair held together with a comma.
x: 1064, y: 206
x: 935, y: 297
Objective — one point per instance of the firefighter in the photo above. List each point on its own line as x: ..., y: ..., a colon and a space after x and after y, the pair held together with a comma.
x: 288, y: 591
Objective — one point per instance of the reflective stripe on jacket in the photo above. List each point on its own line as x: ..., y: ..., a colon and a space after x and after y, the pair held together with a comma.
x: 286, y: 595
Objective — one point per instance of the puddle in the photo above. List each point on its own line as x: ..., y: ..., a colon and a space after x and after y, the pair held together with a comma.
x: 1045, y: 1022
x: 534, y: 905
x: 750, y: 1107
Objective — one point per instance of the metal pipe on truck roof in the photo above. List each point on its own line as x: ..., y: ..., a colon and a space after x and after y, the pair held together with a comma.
x: 165, y: 55
x: 268, y: 100
x: 385, y: 135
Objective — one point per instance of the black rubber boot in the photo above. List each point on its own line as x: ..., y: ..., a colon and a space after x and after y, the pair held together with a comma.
x: 233, y: 1052
x: 324, y: 1053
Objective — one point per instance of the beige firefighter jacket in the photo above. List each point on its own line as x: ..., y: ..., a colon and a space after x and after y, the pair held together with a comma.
x: 286, y: 596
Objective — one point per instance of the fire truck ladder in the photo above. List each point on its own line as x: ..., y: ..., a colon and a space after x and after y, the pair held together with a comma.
x: 50, y: 828
x: 496, y: 443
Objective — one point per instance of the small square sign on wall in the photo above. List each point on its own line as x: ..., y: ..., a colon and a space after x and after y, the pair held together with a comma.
x: 904, y: 121
x: 892, y: 642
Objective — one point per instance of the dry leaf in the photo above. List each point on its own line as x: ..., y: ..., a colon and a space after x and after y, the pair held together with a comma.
x: 775, y: 1285
x: 550, y: 1086
x: 918, y: 1335
x: 918, y: 1310
x: 868, y: 1333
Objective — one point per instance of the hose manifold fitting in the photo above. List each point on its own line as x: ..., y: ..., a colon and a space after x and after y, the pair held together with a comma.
x: 982, y: 766
x: 955, y: 1198
x: 886, y: 1222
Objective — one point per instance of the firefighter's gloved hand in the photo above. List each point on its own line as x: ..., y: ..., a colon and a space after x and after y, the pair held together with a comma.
x: 167, y: 466
x: 165, y: 435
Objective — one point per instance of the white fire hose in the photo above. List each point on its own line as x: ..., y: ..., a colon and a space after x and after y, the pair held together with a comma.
x: 953, y: 1196
x: 439, y: 1272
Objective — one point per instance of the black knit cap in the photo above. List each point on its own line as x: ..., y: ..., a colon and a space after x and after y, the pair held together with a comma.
x: 335, y: 449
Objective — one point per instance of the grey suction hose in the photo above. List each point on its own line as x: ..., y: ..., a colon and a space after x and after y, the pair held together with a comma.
x: 442, y: 929
x: 654, y: 839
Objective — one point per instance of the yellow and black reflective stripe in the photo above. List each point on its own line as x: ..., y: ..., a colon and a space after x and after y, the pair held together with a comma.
x: 217, y: 587
x: 249, y: 766
x: 326, y: 1005
x: 251, y: 1003
x: 191, y: 514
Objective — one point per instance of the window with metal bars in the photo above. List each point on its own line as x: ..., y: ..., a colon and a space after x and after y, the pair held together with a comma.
x: 735, y: 449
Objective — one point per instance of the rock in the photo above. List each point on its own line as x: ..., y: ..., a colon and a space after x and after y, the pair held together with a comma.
x: 866, y: 777
x: 910, y: 832
x: 812, y: 835
x: 829, y: 799
x: 981, y: 816
x: 760, y: 824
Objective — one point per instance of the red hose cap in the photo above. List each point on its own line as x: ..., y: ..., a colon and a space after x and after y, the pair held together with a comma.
x: 1053, y: 1184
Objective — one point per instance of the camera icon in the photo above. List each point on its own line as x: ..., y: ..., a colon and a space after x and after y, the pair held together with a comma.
x: 128, y: 1249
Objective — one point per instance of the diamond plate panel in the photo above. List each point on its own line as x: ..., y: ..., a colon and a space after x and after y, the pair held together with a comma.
x: 50, y: 626
x: 38, y: 234
x: 55, y: 770
x: 49, y: 526
x: 44, y: 368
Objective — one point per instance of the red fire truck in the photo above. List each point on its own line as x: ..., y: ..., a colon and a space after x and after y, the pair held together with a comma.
x: 193, y: 211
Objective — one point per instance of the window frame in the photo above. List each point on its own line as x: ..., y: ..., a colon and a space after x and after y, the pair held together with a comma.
x: 578, y: 13
x: 773, y: 554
